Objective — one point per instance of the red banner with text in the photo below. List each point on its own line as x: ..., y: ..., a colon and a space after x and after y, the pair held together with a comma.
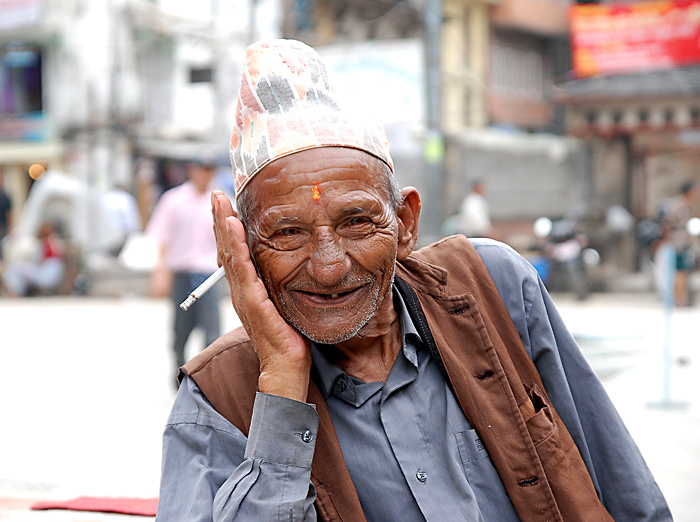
x: 624, y: 38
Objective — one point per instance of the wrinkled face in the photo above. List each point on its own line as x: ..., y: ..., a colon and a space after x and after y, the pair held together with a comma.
x: 324, y: 239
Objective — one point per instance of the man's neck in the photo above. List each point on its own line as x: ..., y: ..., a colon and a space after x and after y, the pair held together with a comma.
x: 201, y: 189
x: 370, y: 355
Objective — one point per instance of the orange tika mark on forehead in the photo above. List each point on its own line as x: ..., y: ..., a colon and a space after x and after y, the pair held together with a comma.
x: 316, y: 191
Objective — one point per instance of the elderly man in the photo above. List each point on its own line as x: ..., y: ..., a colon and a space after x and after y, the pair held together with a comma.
x: 371, y: 382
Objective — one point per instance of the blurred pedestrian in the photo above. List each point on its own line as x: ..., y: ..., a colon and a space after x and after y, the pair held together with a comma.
x: 39, y: 268
x: 5, y: 213
x: 680, y: 210
x: 182, y: 225
x: 475, y: 216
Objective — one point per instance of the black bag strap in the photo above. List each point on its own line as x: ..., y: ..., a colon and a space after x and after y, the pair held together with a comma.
x: 419, y: 320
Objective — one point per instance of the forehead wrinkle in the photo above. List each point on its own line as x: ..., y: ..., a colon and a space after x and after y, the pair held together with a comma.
x: 363, y: 162
x: 339, y: 159
x: 351, y: 164
x: 335, y: 193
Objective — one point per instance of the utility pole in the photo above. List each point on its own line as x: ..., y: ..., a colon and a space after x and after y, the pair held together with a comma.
x: 251, y: 22
x: 434, y: 144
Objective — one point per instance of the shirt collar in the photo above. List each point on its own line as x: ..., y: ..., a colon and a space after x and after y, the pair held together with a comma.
x: 326, y: 373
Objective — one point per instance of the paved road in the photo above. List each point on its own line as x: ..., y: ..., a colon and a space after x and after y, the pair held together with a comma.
x: 626, y: 338
x: 86, y: 388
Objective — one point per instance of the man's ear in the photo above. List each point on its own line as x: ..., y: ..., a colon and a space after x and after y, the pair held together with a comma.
x: 408, y: 215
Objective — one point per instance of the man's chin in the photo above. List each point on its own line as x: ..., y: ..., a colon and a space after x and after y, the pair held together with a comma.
x: 332, y: 325
x: 328, y: 335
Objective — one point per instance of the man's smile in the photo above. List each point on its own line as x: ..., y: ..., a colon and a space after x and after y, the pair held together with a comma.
x: 325, y: 298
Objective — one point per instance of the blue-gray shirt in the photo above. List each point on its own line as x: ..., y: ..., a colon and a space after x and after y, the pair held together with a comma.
x: 408, y: 440
x: 409, y: 448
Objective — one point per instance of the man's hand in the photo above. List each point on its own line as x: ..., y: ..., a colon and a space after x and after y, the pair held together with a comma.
x: 161, y: 282
x: 285, y: 355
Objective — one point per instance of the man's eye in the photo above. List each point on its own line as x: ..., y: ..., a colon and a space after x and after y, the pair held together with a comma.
x: 358, y: 221
x: 288, y: 238
x: 357, y: 226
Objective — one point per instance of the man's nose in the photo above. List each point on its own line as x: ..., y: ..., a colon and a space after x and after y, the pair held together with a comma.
x: 328, y: 263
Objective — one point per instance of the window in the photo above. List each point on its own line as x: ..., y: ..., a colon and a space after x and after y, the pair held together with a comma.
x: 517, y: 70
x: 695, y: 115
x: 201, y: 74
x: 20, y: 79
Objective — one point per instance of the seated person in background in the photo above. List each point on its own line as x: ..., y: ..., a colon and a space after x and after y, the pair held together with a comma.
x: 370, y: 381
x: 475, y: 218
x: 41, y: 270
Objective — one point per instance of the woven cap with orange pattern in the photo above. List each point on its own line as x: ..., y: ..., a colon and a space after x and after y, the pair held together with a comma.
x: 285, y: 105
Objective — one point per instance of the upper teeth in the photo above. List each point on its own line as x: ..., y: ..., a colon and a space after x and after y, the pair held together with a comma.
x: 334, y: 296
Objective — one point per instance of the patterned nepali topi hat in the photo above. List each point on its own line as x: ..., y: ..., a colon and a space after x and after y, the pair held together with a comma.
x: 285, y: 105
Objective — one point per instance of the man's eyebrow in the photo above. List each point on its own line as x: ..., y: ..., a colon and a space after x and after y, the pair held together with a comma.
x: 272, y: 217
x: 284, y: 220
x: 352, y: 211
x: 296, y: 221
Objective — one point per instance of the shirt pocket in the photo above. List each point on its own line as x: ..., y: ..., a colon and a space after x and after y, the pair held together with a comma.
x: 483, y: 478
x: 470, y: 447
x: 476, y: 464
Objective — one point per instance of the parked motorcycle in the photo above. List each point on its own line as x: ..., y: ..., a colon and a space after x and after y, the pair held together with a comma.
x: 653, y: 245
x: 567, y: 258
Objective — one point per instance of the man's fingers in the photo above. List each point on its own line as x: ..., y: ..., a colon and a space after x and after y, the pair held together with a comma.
x: 224, y: 202
x: 221, y: 210
x: 232, y: 249
x: 284, y: 354
x: 216, y: 227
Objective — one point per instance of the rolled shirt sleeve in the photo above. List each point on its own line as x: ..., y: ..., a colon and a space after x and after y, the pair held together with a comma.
x: 211, y: 471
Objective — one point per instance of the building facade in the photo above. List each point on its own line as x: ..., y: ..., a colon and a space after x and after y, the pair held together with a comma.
x: 636, y: 104
x: 116, y: 92
x: 499, y: 62
x: 484, y: 75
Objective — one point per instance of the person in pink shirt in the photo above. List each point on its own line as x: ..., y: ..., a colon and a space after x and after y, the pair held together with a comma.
x: 182, y: 224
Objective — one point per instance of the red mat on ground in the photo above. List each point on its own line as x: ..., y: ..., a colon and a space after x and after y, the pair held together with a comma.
x: 145, y: 507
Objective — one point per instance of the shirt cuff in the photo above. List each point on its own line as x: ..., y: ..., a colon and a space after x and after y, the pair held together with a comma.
x: 282, y: 431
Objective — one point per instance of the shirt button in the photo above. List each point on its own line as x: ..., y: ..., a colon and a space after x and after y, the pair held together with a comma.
x: 341, y: 386
x: 422, y: 476
x: 307, y: 436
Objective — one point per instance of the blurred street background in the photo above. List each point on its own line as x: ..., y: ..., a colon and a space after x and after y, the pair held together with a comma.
x: 578, y: 120
x: 586, y: 114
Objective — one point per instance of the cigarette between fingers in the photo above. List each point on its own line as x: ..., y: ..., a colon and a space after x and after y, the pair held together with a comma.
x: 203, y: 288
